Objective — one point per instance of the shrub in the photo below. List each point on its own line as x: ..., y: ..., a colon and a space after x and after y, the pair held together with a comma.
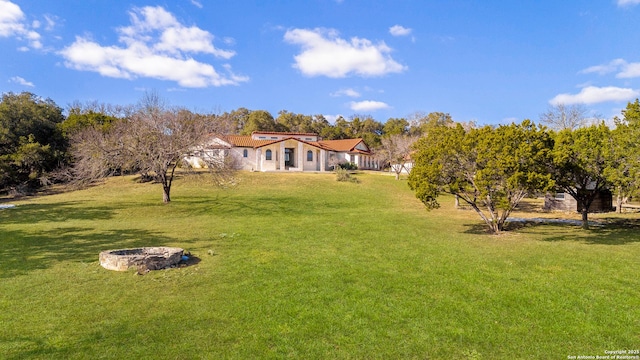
x: 347, y: 166
x: 344, y: 175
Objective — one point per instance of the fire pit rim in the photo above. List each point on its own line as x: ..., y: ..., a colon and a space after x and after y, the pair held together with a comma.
x: 152, y: 258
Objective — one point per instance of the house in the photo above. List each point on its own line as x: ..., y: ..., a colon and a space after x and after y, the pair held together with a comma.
x: 284, y: 151
x: 603, y: 202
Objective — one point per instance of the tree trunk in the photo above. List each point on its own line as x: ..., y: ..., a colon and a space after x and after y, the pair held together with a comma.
x: 493, y: 225
x: 457, y: 202
x: 619, y: 203
x: 397, y: 176
x: 166, y: 193
x: 585, y: 218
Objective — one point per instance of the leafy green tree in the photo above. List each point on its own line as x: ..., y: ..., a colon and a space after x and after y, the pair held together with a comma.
x: 232, y: 122
x: 491, y: 169
x: 371, y: 132
x: 421, y: 123
x: 623, y: 170
x: 365, y: 127
x: 260, y: 120
x: 319, y: 124
x: 580, y: 161
x: 92, y: 114
x: 395, y: 126
x: 632, y: 112
x: 337, y: 131
x: 78, y: 120
x: 31, y: 145
x: 295, y: 122
x: 630, y: 115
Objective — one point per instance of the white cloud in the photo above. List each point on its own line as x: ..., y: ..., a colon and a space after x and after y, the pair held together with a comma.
x: 368, y: 105
x: 631, y: 70
x: 332, y: 118
x: 11, y: 18
x: 326, y: 54
x: 594, y: 95
x: 624, y: 69
x: 157, y: 46
x: 21, y: 81
x: 12, y: 24
x: 51, y: 22
x: 346, y: 92
x: 612, y: 66
x: 628, y: 2
x: 196, y: 3
x: 398, y: 30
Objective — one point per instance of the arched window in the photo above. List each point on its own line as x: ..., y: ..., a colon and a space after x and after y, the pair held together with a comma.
x: 267, y: 154
x: 309, y: 155
x: 245, y: 153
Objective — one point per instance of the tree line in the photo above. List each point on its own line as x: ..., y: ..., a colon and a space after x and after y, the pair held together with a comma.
x: 491, y: 168
x: 42, y: 143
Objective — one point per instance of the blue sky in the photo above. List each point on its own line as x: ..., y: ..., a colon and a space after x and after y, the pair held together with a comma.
x: 488, y: 61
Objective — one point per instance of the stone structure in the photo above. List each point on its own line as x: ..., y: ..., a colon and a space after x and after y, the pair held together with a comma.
x: 151, y: 258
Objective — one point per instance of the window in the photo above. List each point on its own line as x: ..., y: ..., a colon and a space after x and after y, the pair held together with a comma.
x: 309, y: 155
x: 245, y: 153
x: 309, y: 139
x: 267, y: 155
x: 274, y: 138
x: 559, y: 196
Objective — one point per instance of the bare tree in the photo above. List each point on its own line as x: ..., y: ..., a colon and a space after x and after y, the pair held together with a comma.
x: 561, y: 116
x: 152, y: 141
x: 396, y: 150
x: 96, y: 154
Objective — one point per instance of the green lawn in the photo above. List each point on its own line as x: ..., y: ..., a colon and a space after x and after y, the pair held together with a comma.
x: 303, y: 266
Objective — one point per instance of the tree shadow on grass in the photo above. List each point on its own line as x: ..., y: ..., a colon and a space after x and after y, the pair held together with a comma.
x: 234, y: 207
x: 23, y: 251
x: 611, y: 231
x: 58, y: 212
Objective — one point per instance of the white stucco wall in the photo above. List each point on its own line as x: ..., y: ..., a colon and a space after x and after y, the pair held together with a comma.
x: 274, y: 163
x: 246, y: 163
x: 300, y: 162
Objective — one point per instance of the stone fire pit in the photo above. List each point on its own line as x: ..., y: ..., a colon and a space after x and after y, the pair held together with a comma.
x: 150, y: 258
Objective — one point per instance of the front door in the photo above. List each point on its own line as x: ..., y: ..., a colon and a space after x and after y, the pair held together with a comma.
x: 288, y: 158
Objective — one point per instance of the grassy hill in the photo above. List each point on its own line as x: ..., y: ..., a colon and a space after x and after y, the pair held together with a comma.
x: 302, y: 266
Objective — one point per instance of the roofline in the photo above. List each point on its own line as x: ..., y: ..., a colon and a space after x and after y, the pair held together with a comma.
x: 296, y: 139
x: 359, y: 140
x: 283, y: 133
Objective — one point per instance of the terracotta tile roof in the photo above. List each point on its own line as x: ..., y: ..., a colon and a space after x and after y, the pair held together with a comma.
x: 245, y: 141
x: 343, y: 145
x: 283, y: 133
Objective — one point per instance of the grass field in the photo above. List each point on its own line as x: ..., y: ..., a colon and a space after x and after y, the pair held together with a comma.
x: 303, y: 266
